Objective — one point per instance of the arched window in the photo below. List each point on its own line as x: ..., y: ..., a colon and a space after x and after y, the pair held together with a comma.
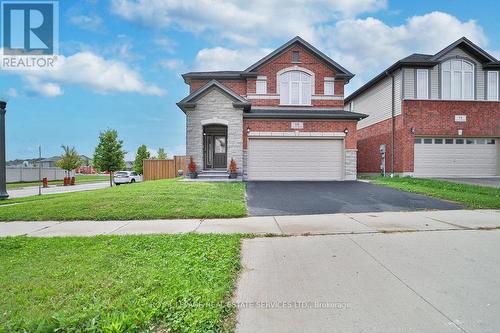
x: 457, y: 79
x: 295, y: 88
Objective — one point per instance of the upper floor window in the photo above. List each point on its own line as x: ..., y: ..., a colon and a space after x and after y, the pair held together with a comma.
x: 295, y: 88
x: 422, y: 84
x: 261, y: 85
x: 328, y: 88
x: 295, y: 56
x: 457, y: 79
x: 492, y: 86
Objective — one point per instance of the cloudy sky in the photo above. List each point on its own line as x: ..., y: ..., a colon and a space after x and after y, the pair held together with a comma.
x: 121, y: 60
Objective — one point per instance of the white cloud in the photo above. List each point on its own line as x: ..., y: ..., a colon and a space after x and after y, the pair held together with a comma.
x: 173, y: 64
x: 12, y: 92
x: 88, y: 22
x: 166, y: 44
x: 369, y: 45
x: 220, y: 58
x: 243, y: 21
x: 91, y: 71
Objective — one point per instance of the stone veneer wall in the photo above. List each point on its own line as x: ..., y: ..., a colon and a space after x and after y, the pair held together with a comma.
x: 350, y: 163
x: 215, y: 107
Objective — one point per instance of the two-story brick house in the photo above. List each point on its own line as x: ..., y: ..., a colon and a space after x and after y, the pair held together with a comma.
x: 282, y: 118
x: 437, y: 115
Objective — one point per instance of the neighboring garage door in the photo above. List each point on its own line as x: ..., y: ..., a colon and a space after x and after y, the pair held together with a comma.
x: 459, y: 157
x: 295, y: 159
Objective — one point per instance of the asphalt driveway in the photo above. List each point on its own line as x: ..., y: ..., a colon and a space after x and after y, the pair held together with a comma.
x: 434, y: 281
x: 302, y: 198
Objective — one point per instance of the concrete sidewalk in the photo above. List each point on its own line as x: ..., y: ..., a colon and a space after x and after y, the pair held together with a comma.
x: 437, y: 281
x: 328, y: 224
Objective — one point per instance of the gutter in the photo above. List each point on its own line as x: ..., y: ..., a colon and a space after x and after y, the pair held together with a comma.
x: 393, y: 115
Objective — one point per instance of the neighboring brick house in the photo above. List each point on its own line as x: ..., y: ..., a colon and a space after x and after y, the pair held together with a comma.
x: 437, y: 115
x: 282, y: 118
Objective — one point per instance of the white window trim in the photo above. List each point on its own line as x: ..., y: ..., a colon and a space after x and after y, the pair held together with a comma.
x: 261, y: 79
x: 426, y: 71
x: 329, y: 80
x: 301, y: 69
x: 463, y: 80
x: 490, y: 98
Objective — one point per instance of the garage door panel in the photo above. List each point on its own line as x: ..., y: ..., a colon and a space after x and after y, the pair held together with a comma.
x: 295, y: 159
x: 448, y: 160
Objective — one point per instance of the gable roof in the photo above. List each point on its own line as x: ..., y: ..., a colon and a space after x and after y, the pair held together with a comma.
x: 341, y: 71
x: 190, y: 100
x: 427, y: 61
x: 250, y: 72
x: 469, y: 46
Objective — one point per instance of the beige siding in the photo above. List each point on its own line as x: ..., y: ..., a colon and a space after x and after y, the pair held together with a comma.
x: 376, y: 103
x: 434, y: 73
x: 398, y: 86
x: 409, y: 83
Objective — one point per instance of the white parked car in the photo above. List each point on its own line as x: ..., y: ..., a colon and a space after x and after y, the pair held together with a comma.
x: 123, y: 177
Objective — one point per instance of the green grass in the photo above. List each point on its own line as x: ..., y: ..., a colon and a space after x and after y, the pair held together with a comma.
x: 148, y: 200
x: 473, y: 196
x: 80, y: 179
x: 168, y: 283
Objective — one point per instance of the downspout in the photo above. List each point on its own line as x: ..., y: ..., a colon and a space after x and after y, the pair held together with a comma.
x: 393, y: 115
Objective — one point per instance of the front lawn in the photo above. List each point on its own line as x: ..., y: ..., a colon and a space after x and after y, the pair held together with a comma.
x: 80, y: 179
x: 167, y: 283
x: 168, y: 198
x: 473, y: 196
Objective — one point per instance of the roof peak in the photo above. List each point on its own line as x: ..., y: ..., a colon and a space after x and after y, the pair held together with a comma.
x: 297, y: 39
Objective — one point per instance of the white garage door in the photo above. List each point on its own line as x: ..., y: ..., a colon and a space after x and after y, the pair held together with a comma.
x: 295, y: 159
x: 459, y: 157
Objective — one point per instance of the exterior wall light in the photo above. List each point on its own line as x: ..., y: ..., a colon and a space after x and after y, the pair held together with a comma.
x: 346, y: 131
x: 248, y: 130
x: 412, y: 130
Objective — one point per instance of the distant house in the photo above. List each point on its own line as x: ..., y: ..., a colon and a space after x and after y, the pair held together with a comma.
x: 129, y: 165
x: 49, y: 162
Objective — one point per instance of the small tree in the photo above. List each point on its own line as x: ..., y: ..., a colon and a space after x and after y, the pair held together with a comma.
x: 142, y: 154
x: 70, y: 160
x: 109, y: 154
x: 162, y: 154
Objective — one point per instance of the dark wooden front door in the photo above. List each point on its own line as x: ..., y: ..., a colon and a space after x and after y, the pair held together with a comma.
x: 215, y: 151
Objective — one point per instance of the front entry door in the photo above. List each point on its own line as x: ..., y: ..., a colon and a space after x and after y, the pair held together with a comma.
x: 215, y: 150
x: 220, y: 157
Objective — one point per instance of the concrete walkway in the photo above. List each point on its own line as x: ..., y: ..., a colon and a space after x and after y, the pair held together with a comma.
x: 33, y: 190
x: 328, y: 224
x: 436, y: 281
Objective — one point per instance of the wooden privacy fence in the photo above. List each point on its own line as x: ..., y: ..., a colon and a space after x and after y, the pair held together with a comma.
x: 163, y: 169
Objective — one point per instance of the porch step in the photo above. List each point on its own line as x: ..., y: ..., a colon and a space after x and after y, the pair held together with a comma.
x: 215, y: 174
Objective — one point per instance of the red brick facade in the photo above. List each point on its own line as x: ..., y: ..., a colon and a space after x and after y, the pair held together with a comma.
x: 271, y: 69
x: 427, y: 118
x: 260, y: 125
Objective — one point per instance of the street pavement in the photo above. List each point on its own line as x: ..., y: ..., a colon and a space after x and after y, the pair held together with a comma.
x: 33, y: 190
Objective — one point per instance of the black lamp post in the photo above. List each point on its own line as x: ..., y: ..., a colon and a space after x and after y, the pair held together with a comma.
x: 3, y: 177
